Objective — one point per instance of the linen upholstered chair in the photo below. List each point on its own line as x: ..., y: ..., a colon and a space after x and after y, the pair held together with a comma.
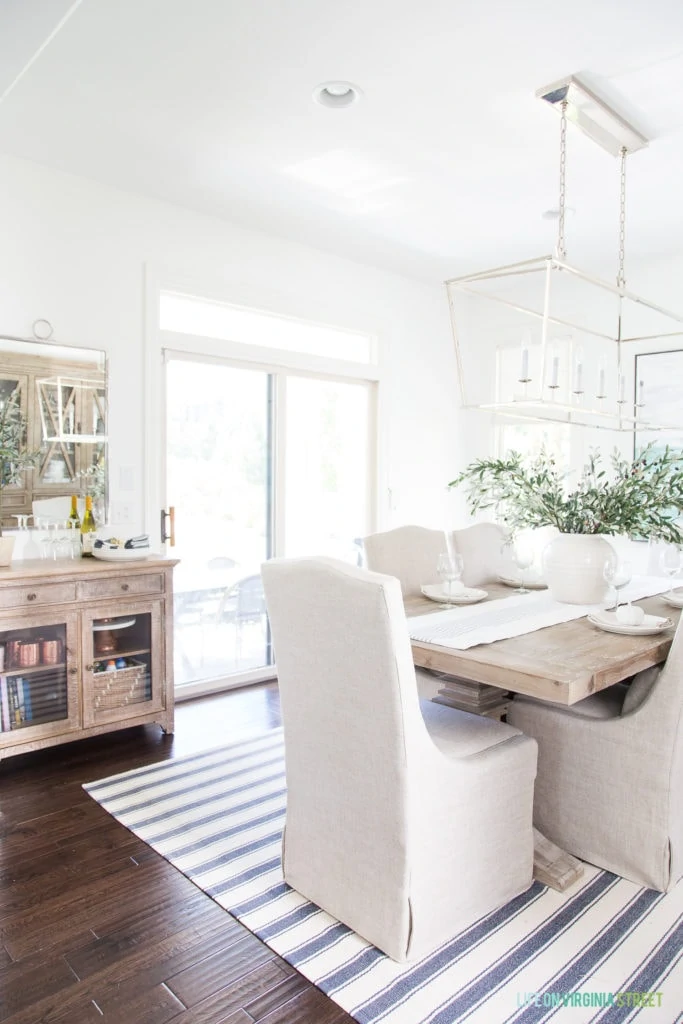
x: 406, y: 824
x: 610, y: 774
x: 410, y: 553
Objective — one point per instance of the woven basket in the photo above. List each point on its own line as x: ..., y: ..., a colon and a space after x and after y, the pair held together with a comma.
x: 122, y: 687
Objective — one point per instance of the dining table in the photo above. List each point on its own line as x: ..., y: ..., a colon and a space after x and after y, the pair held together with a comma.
x: 563, y: 663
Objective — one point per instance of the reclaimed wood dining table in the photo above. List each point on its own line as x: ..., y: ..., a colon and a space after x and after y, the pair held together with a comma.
x: 562, y: 664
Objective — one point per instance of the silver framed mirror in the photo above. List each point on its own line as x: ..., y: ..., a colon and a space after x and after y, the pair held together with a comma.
x: 53, y: 404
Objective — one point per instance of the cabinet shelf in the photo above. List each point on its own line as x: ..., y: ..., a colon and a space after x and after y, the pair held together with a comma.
x: 33, y: 670
x: 113, y: 655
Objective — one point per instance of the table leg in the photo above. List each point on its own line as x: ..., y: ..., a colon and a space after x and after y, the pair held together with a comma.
x: 554, y: 867
x: 478, y: 698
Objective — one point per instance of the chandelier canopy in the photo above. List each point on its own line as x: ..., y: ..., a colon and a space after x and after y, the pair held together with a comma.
x: 545, y: 340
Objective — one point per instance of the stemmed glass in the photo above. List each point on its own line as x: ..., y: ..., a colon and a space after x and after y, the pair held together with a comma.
x: 670, y: 563
x: 617, y: 574
x: 449, y: 568
x: 523, y: 556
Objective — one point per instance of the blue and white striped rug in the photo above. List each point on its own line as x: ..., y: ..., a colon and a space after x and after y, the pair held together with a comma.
x: 218, y: 816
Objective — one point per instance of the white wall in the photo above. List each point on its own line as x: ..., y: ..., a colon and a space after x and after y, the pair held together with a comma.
x: 75, y: 253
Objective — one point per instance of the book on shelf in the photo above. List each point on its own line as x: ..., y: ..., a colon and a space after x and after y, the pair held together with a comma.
x: 4, y: 705
x: 19, y: 699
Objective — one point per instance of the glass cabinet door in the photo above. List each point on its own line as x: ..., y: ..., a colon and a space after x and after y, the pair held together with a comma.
x: 123, y: 662
x: 38, y: 679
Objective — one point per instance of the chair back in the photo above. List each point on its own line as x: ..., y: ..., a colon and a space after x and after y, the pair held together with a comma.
x: 484, y: 555
x: 250, y: 600
x: 351, y: 720
x: 409, y: 553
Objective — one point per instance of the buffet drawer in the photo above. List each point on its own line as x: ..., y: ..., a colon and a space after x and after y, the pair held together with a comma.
x: 41, y: 594
x: 149, y: 583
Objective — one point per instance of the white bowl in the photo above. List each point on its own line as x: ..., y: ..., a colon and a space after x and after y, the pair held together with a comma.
x: 121, y: 554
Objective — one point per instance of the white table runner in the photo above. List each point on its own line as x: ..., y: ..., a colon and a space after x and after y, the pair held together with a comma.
x: 463, y: 627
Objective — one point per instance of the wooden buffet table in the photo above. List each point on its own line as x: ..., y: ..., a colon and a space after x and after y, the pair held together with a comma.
x: 562, y: 663
x: 85, y: 647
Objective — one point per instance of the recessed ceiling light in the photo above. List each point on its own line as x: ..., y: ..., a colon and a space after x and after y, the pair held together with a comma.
x: 336, y: 94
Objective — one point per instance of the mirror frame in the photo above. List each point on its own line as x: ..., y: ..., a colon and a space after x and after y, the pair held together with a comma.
x: 51, y: 397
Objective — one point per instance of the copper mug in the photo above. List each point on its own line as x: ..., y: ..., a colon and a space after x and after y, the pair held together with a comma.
x: 14, y: 653
x: 29, y: 654
x: 50, y: 652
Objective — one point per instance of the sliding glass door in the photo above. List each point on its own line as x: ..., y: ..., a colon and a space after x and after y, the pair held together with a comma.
x: 219, y: 480
x: 259, y: 462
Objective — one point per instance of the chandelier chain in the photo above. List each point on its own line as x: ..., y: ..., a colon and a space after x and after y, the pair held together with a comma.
x: 561, y: 243
x: 621, y: 276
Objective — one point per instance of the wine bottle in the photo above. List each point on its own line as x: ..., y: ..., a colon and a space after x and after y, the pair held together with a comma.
x: 74, y: 518
x: 88, y: 529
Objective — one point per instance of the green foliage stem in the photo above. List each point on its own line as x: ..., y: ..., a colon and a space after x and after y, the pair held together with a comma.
x: 640, y: 498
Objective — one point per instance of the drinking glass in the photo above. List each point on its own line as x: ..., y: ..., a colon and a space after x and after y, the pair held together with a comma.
x: 670, y: 563
x: 523, y: 557
x: 617, y: 574
x: 449, y: 568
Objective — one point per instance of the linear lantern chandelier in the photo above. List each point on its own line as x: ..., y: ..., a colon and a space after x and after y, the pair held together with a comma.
x: 545, y: 340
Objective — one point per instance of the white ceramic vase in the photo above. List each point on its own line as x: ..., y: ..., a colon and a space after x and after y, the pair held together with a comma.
x: 573, y: 565
x: 6, y: 550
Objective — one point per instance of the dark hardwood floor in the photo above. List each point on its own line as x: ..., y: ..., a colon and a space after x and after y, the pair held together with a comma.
x: 95, y: 925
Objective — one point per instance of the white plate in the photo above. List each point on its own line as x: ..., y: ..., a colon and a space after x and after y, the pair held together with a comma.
x: 651, y: 624
x: 675, y: 599
x: 465, y: 595
x: 121, y: 554
x: 530, y: 582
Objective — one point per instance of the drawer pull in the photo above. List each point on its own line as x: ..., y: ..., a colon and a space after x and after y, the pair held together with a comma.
x: 125, y: 586
x: 31, y: 597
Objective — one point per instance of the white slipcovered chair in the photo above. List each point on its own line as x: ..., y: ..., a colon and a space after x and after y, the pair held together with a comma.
x: 410, y: 553
x: 610, y: 774
x: 406, y: 824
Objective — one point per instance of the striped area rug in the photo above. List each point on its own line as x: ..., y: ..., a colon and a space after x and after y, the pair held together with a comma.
x: 218, y: 816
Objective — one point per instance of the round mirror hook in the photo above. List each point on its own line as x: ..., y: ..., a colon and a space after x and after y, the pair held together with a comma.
x: 42, y: 329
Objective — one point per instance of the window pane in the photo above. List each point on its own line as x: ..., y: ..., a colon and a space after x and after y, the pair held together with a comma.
x: 188, y: 315
x: 218, y: 467
x: 326, y: 468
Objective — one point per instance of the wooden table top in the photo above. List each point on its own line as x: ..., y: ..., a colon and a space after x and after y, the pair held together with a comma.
x: 562, y: 663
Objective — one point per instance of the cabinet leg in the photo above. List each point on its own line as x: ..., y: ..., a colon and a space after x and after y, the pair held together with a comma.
x: 166, y: 723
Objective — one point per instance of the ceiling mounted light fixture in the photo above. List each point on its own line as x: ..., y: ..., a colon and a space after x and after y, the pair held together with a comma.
x: 545, y: 340
x: 336, y: 95
x: 593, y: 116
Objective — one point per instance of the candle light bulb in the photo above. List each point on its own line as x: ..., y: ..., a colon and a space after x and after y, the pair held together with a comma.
x: 601, y: 381
x: 524, y: 372
x: 555, y: 378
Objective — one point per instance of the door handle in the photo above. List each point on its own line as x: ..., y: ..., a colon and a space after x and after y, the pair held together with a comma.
x: 170, y: 515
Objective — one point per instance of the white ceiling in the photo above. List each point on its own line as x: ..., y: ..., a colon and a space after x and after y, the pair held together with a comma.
x: 446, y: 164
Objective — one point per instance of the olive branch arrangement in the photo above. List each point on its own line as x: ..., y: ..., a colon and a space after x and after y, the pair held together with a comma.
x: 640, y: 498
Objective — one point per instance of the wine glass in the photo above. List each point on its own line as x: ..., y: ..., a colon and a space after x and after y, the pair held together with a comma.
x: 449, y: 568
x: 523, y: 556
x: 617, y: 573
x: 670, y: 564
